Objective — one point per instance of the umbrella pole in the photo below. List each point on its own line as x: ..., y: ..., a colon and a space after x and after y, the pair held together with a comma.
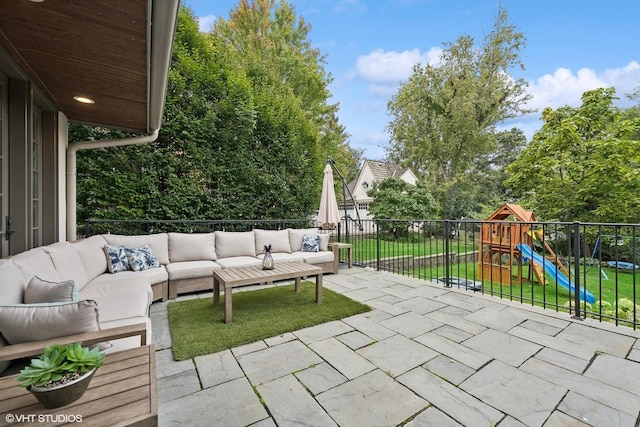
x: 344, y: 205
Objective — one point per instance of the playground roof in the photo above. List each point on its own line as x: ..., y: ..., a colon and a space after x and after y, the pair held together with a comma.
x: 507, y: 210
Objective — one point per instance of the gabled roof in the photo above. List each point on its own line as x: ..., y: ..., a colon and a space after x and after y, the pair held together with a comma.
x: 380, y: 170
x: 517, y: 211
x: 115, y: 52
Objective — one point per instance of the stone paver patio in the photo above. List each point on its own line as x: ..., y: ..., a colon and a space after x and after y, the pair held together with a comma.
x: 424, y: 356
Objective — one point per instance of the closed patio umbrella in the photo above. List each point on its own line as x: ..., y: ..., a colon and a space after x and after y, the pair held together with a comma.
x: 328, y: 215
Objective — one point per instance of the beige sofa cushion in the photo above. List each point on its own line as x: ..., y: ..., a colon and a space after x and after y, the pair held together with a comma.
x: 278, y: 239
x: 159, y: 243
x: 324, y: 241
x: 297, y: 234
x: 191, y: 270
x: 235, y: 243
x: 35, y: 322
x: 283, y: 257
x: 41, y: 291
x: 12, y: 283
x: 238, y: 261
x: 120, y: 299
x: 92, y: 255
x: 150, y: 276
x: 315, y: 257
x: 192, y: 247
x: 36, y: 262
x: 68, y: 263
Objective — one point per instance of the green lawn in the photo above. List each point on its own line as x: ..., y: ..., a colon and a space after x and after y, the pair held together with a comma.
x: 552, y: 295
x: 367, y: 249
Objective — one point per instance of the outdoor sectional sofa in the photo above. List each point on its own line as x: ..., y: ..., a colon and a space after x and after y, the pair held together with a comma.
x: 70, y: 288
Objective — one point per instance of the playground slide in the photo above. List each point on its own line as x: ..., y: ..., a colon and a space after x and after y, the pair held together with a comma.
x: 556, y: 274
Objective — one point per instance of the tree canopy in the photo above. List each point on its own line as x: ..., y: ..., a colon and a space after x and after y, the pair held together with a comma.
x: 583, y: 164
x: 247, y: 128
x: 444, y: 115
x: 396, y: 199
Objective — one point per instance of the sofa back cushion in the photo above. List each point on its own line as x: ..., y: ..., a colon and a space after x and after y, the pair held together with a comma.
x: 235, y: 243
x: 278, y: 239
x: 36, y: 262
x: 297, y: 234
x: 192, y: 247
x: 68, y: 263
x: 159, y: 243
x: 92, y: 255
x: 324, y: 241
x: 12, y: 283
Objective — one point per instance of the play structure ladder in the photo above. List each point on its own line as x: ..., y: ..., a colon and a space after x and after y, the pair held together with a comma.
x: 539, y: 273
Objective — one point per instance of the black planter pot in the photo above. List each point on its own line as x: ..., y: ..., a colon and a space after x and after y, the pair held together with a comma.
x: 63, y: 394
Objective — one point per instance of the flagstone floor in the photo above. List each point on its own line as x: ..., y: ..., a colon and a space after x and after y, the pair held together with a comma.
x: 424, y: 356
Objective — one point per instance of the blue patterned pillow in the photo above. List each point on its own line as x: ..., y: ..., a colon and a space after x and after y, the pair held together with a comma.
x: 117, y: 260
x: 310, y: 243
x: 142, y: 258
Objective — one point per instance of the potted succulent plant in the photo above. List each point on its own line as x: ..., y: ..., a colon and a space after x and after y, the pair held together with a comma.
x: 61, y: 374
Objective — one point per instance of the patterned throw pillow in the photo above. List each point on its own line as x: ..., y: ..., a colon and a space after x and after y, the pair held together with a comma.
x: 142, y: 258
x: 117, y: 260
x: 310, y: 243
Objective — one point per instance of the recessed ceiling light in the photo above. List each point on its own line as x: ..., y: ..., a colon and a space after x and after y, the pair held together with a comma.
x: 37, y: 1
x: 84, y: 100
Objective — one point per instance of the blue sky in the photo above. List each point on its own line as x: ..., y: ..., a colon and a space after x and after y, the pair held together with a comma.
x: 372, y: 45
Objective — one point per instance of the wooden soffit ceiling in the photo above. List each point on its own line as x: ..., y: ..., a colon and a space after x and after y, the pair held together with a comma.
x: 92, y: 48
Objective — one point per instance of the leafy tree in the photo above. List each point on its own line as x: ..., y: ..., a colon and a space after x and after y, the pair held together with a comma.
x: 269, y: 42
x: 395, y: 199
x: 444, y: 116
x: 582, y: 165
x: 244, y: 135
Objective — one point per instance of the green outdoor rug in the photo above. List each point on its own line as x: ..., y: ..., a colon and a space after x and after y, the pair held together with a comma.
x: 197, y: 327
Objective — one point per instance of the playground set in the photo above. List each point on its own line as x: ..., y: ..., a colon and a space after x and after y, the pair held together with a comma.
x: 508, y: 238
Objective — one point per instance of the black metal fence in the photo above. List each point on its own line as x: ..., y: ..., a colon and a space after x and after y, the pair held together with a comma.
x: 583, y: 269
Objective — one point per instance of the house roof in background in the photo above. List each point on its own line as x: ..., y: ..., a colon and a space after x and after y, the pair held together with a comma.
x: 115, y: 52
x: 380, y: 170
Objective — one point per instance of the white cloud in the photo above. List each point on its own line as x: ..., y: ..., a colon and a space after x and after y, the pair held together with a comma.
x: 373, y: 142
x: 563, y: 87
x: 391, y: 67
x: 205, y: 23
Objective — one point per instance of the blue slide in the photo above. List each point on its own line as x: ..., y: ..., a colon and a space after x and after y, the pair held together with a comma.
x: 556, y: 274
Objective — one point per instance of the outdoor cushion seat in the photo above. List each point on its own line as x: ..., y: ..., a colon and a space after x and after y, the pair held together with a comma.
x: 191, y: 269
x: 152, y: 275
x: 315, y: 257
x: 120, y: 299
x: 239, y: 261
x: 283, y: 257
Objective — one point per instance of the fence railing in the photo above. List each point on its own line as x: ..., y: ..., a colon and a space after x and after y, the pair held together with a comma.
x: 583, y: 269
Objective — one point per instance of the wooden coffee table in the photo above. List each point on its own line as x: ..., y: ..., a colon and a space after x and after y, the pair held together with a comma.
x: 229, y: 278
x: 122, y: 392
